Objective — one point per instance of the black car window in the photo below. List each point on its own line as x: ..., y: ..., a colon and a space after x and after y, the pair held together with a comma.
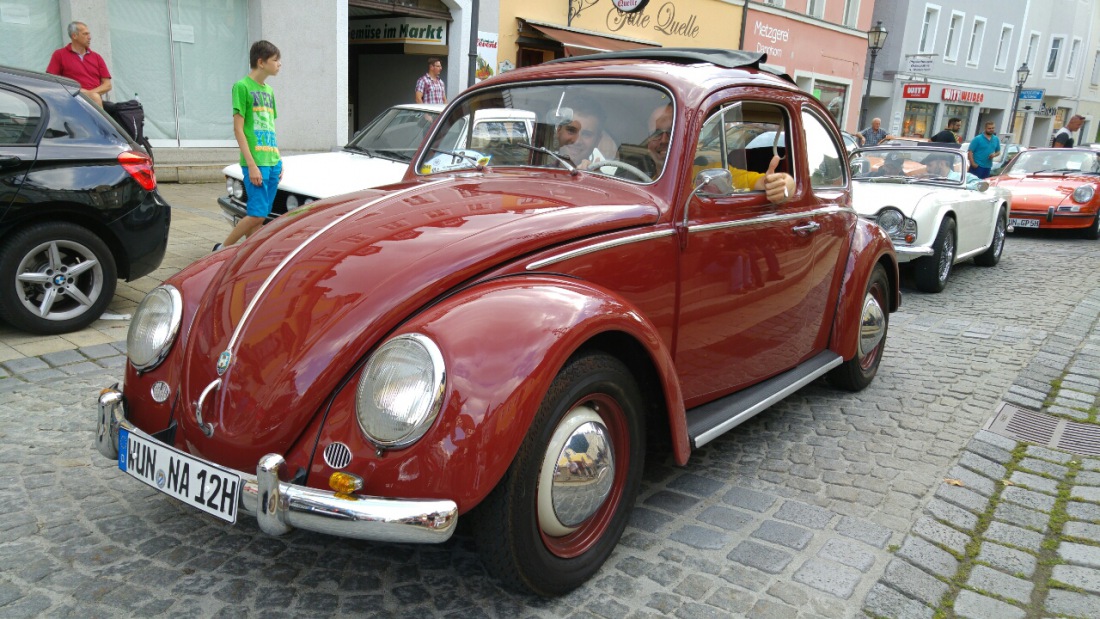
x: 20, y: 117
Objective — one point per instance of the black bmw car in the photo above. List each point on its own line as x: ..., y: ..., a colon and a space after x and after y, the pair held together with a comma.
x: 79, y: 206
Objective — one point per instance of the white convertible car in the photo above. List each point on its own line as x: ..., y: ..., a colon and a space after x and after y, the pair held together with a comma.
x: 937, y: 214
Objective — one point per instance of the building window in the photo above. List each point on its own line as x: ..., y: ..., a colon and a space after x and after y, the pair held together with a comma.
x: 977, y: 34
x: 815, y: 8
x: 1002, y: 47
x: 851, y: 13
x: 928, y: 28
x: 1053, y: 55
x: 1074, y: 53
x: 1096, y: 70
x: 1032, y: 49
x: 834, y: 98
x: 954, y: 35
x: 778, y: 3
x: 29, y: 32
x: 962, y: 112
x: 918, y: 120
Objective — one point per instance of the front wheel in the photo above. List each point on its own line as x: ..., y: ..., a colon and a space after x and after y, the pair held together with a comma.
x: 874, y: 321
x: 1093, y: 231
x: 992, y: 256
x: 930, y: 273
x: 560, y: 509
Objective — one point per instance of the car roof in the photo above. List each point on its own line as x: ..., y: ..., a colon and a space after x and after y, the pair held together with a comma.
x: 421, y: 107
x: 35, y: 78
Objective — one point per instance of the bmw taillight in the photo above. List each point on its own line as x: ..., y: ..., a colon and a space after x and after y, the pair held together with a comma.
x: 140, y: 166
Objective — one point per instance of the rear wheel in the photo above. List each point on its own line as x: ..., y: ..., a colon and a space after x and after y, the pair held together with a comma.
x: 560, y: 509
x: 874, y: 320
x: 992, y: 256
x: 54, y: 278
x: 930, y: 273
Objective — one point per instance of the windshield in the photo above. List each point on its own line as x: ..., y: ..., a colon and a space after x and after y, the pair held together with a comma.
x: 395, y: 135
x: 922, y: 164
x: 612, y: 129
x: 1060, y: 161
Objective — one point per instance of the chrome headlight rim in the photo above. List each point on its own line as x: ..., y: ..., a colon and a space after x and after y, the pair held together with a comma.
x: 427, y: 417
x: 230, y: 186
x: 292, y: 202
x: 1083, y: 194
x: 884, y: 220
x: 159, y: 352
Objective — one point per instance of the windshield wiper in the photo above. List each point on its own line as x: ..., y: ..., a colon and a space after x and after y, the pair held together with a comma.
x: 546, y: 151
x: 392, y: 154
x: 358, y: 149
x: 477, y: 166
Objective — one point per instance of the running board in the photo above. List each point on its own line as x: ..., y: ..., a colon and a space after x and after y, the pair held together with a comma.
x: 713, y: 419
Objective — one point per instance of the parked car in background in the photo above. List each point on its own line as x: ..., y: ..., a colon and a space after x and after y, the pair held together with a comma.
x: 501, y: 335
x: 935, y: 217
x: 1008, y: 151
x: 78, y: 205
x: 1054, y: 188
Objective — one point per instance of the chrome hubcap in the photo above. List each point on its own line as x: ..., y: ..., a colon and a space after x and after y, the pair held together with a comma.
x: 947, y: 258
x: 577, y: 472
x: 872, y: 325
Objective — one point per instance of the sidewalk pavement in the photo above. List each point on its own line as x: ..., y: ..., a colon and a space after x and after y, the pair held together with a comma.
x: 197, y: 224
x: 1014, y: 529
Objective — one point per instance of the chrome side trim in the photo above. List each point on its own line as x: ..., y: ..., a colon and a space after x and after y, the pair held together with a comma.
x: 282, y: 265
x: 281, y: 507
x: 766, y: 219
x: 969, y: 254
x: 595, y: 247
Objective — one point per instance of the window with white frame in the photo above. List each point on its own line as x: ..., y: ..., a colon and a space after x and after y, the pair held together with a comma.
x: 1095, y: 81
x: 1003, y: 45
x: 851, y: 13
x: 954, y: 36
x: 1032, y: 49
x: 1074, y: 54
x: 815, y: 8
x: 928, y: 28
x: 1054, y: 55
x: 778, y: 3
x: 977, y: 35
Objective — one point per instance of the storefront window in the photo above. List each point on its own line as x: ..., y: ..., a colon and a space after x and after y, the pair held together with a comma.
x: 918, y: 120
x: 29, y: 32
x: 832, y: 96
x: 961, y: 112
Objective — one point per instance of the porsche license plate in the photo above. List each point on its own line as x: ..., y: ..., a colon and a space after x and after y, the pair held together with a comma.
x: 1023, y: 223
x: 214, y: 490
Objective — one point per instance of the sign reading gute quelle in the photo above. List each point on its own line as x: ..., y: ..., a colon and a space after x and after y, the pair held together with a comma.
x: 630, y: 6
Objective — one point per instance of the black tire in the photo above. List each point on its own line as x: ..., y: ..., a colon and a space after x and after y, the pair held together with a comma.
x: 858, y: 372
x: 992, y: 256
x: 60, y: 267
x: 516, y: 543
x: 930, y: 273
x: 1093, y: 231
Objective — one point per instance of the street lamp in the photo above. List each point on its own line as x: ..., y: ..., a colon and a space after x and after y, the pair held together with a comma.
x: 876, y: 38
x: 1021, y: 76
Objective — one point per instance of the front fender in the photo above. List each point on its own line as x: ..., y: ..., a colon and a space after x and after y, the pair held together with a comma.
x: 870, y: 245
x: 503, y: 342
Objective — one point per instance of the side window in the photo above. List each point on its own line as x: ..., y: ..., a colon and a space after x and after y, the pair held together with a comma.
x: 742, y: 138
x: 19, y: 118
x: 823, y: 156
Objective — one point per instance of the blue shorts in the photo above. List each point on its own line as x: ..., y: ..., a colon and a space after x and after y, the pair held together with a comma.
x: 261, y: 198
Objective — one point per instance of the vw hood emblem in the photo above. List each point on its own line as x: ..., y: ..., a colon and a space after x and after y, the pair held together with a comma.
x: 223, y: 362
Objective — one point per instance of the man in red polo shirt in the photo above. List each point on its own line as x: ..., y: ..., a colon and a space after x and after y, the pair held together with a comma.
x: 77, y: 61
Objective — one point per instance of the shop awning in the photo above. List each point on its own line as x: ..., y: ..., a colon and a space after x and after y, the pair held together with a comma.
x: 580, y: 43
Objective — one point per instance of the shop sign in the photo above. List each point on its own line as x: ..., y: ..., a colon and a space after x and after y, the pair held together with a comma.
x: 966, y: 96
x: 774, y: 36
x: 486, y: 55
x: 419, y: 30
x: 1032, y: 94
x: 915, y: 91
x: 630, y: 6
x: 919, y: 64
x: 666, y: 21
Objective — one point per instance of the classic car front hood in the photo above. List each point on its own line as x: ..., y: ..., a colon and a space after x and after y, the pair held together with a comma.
x: 868, y: 198
x: 322, y: 175
x: 307, y: 297
x: 1030, y: 194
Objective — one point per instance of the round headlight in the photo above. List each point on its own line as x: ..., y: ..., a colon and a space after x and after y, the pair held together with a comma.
x: 291, y: 202
x: 400, y: 391
x: 309, y: 201
x: 238, y: 189
x: 154, y: 327
x: 1083, y: 194
x: 891, y: 220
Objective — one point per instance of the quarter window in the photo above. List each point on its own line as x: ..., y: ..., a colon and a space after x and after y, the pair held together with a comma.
x: 19, y: 118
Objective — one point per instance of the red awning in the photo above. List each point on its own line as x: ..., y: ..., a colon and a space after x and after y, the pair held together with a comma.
x: 579, y: 44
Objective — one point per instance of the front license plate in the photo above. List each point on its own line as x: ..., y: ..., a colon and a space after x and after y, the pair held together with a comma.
x: 1023, y: 223
x: 209, y: 488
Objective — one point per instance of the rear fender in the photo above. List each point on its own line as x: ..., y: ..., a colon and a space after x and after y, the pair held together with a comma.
x: 503, y: 343
x: 870, y: 245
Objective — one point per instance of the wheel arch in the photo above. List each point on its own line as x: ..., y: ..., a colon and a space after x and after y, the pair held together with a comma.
x: 61, y: 212
x: 870, y: 246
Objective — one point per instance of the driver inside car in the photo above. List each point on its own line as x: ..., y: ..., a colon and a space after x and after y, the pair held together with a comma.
x: 579, y: 137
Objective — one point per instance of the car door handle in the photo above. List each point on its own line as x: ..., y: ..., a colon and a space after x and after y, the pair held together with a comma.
x: 806, y: 229
x: 6, y: 160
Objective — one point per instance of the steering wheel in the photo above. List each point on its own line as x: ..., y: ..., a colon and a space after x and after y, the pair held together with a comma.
x: 622, y: 165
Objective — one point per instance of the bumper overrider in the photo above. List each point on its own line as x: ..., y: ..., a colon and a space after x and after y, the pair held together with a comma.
x: 280, y: 507
x: 906, y: 253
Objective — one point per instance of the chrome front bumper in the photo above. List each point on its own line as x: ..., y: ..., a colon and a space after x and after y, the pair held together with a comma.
x: 906, y: 254
x: 280, y: 507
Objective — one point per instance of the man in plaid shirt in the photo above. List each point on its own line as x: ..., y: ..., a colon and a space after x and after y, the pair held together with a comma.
x: 429, y: 88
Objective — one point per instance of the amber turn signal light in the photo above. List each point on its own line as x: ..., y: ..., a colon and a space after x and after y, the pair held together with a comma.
x: 345, y: 483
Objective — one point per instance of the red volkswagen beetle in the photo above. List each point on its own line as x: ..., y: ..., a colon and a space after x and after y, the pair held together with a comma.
x: 501, y: 334
x: 1054, y: 188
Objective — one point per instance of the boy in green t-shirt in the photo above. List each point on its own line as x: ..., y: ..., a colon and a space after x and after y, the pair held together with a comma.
x: 254, y: 127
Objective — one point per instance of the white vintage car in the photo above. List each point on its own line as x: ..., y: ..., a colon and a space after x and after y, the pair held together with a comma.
x: 936, y: 213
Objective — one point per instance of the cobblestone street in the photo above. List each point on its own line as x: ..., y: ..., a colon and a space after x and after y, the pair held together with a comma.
x: 891, y: 502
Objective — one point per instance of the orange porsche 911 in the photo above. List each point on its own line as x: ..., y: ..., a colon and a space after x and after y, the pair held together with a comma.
x: 1054, y: 188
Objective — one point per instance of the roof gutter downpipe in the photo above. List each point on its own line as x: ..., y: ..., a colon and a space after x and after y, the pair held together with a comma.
x: 475, y: 9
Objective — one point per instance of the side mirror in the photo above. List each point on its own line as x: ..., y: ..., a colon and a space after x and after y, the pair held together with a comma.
x: 714, y: 181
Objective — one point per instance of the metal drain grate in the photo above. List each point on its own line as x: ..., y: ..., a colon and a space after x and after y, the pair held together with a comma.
x: 1023, y: 425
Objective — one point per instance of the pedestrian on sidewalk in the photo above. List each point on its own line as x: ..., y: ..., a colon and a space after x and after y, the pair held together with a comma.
x: 983, y: 148
x: 430, y: 88
x: 254, y: 127
x: 78, y: 62
x: 874, y: 134
x: 950, y: 135
x: 1063, y: 138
